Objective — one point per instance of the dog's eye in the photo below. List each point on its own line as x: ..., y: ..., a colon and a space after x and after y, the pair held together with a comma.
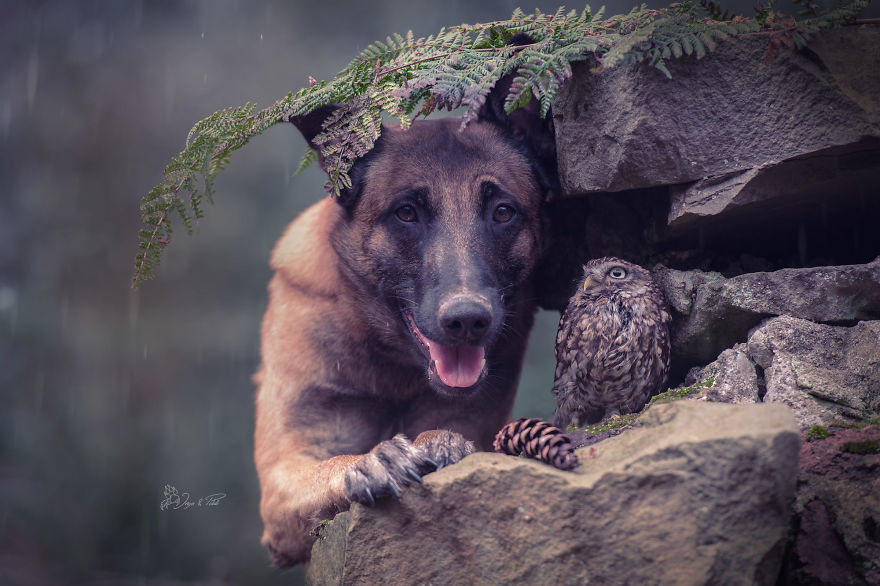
x: 406, y: 213
x: 503, y: 214
x: 617, y: 273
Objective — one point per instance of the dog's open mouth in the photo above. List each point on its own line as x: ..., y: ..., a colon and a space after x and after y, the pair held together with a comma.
x: 456, y: 366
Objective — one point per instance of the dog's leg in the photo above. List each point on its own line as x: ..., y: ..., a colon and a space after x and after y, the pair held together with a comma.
x: 299, y: 492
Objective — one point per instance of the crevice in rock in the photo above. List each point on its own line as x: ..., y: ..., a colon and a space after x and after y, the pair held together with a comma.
x: 871, y: 529
x: 831, y: 228
x: 700, y: 352
x: 791, y: 563
x: 761, y: 380
x: 843, y: 323
x: 810, y: 55
x: 789, y: 232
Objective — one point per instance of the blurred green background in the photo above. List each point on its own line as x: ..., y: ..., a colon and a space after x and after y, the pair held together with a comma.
x: 109, y: 394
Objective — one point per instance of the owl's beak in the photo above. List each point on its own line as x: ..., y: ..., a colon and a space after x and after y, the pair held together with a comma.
x: 588, y: 282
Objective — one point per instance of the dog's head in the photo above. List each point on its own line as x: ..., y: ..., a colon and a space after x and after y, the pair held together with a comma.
x: 442, y: 230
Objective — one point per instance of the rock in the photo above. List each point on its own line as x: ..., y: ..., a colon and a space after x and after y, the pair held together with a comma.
x: 837, y: 530
x: 719, y: 312
x: 680, y: 287
x: 824, y: 373
x: 771, y: 187
x: 725, y: 120
x: 695, y: 493
x: 734, y: 377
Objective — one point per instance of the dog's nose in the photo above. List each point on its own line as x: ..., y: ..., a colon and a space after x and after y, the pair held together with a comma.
x: 466, y: 319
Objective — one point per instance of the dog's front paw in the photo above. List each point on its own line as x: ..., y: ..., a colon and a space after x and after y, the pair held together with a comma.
x: 388, y: 467
x: 445, y: 447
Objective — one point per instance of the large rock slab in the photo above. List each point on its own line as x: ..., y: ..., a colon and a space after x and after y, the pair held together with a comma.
x: 714, y: 313
x: 824, y: 373
x: 730, y: 115
x: 695, y: 493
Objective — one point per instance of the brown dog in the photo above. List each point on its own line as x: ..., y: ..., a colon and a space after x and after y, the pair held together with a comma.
x: 401, y: 311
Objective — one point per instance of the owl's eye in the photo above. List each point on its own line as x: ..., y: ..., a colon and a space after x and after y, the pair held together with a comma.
x: 617, y: 273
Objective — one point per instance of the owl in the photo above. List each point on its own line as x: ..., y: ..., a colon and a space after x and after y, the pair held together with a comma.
x: 612, y: 348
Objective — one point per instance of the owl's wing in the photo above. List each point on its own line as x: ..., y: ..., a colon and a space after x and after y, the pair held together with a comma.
x: 646, y: 363
x: 567, y: 352
x: 577, y: 344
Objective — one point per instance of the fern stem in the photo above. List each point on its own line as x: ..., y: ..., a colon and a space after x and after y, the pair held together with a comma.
x: 517, y: 49
x: 141, y: 264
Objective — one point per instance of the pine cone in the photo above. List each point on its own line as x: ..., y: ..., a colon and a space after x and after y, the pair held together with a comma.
x: 538, y: 439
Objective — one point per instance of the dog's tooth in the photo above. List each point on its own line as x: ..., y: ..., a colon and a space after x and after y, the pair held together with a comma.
x: 482, y: 364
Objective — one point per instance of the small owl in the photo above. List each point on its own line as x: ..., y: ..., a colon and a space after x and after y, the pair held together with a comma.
x: 612, y: 348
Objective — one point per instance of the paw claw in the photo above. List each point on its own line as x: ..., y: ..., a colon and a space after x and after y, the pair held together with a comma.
x: 411, y: 472
x: 388, y: 467
x: 395, y: 488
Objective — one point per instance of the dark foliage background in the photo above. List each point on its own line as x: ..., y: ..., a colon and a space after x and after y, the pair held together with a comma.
x: 110, y: 394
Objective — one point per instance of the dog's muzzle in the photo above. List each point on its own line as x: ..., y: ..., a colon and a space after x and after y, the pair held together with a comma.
x: 456, y: 365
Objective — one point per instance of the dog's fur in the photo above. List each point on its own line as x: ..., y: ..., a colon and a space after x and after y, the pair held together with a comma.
x: 420, y: 254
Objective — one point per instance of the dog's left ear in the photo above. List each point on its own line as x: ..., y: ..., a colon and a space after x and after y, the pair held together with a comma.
x: 525, y: 124
x: 311, y: 125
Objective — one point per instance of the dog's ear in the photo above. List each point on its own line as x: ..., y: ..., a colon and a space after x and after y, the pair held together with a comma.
x: 525, y: 124
x: 311, y: 125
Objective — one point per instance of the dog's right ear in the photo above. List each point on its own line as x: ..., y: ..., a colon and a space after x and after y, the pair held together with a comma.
x: 311, y: 125
x: 525, y: 124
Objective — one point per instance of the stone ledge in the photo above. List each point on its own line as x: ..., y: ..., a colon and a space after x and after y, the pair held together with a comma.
x: 695, y: 493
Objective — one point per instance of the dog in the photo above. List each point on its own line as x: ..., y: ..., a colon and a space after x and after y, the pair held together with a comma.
x: 399, y: 312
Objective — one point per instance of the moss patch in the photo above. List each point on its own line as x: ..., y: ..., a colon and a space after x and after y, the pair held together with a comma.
x: 869, y: 446
x: 681, y: 392
x: 617, y: 423
x: 606, y: 425
x: 873, y: 422
x: 316, y: 532
x: 817, y: 432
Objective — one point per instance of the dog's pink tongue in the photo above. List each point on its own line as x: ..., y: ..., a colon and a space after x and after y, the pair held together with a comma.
x: 457, y: 366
